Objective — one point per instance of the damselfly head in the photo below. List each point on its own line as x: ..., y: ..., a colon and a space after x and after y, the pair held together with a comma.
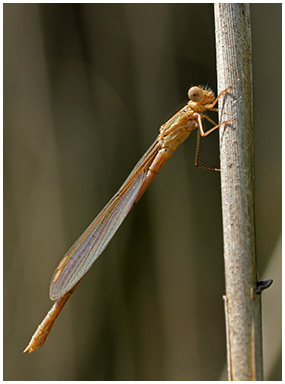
x: 200, y: 95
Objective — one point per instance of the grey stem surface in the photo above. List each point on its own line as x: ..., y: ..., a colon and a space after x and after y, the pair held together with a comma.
x: 242, y: 302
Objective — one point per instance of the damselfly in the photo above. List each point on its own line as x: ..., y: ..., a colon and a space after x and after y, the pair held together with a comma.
x: 96, y: 237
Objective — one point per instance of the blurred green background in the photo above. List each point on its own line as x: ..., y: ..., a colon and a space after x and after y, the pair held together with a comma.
x: 86, y: 87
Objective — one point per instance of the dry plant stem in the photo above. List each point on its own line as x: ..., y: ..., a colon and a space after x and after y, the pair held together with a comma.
x: 242, y: 303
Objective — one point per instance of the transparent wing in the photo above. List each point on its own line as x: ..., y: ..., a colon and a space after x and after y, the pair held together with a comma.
x: 96, y: 237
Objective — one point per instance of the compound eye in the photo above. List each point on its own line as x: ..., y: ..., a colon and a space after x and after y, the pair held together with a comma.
x: 195, y: 94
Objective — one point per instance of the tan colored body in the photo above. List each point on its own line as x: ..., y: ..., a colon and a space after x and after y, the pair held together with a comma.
x: 83, y: 253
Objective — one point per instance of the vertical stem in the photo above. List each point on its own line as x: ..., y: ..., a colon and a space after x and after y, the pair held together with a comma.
x: 242, y: 304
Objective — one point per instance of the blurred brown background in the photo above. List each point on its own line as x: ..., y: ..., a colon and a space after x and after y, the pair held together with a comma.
x: 86, y: 87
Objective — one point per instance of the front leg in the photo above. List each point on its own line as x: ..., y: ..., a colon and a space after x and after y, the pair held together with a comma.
x: 201, y: 129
